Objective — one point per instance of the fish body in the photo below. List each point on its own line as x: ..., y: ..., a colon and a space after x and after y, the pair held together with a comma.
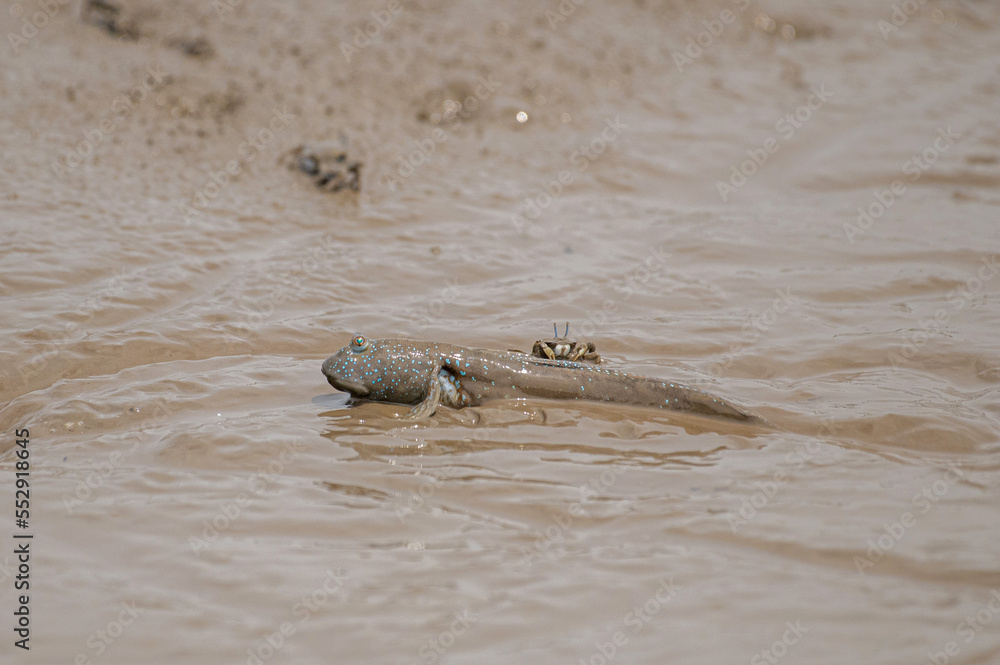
x: 429, y: 373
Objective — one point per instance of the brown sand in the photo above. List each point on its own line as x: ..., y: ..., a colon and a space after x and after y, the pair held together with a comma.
x: 164, y: 324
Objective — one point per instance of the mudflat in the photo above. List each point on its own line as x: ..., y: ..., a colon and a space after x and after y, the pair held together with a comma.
x: 791, y: 204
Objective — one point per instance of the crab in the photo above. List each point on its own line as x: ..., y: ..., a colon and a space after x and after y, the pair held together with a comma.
x: 328, y: 164
x: 564, y: 348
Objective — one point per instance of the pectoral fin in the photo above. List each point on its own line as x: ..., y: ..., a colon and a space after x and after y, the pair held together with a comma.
x: 432, y: 397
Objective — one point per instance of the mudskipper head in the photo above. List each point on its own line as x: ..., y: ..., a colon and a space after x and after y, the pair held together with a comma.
x: 386, y: 370
x: 349, y: 369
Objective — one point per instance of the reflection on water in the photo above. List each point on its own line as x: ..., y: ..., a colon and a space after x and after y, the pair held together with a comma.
x: 200, y: 494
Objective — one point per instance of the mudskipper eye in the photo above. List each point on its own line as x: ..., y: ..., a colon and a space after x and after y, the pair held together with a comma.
x: 359, y: 344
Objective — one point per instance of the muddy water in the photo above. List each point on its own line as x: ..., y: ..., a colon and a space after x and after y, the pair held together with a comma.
x: 796, y: 209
